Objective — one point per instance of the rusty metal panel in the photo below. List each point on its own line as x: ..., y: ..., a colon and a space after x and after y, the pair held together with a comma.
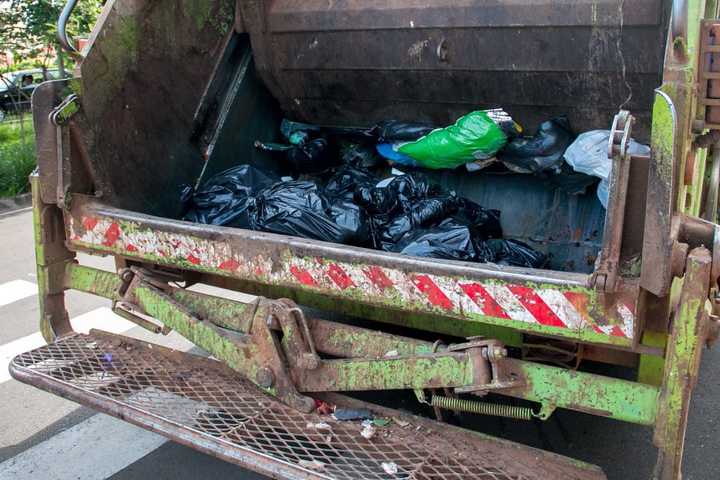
x: 546, y: 302
x: 140, y: 86
x: 200, y: 403
x: 359, y: 61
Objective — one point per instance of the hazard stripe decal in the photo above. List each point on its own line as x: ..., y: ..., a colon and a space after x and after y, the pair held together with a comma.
x: 557, y: 307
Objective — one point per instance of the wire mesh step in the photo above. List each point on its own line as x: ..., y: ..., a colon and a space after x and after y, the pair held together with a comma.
x: 203, y: 404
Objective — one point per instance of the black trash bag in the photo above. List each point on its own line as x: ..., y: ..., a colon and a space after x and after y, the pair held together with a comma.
x: 541, y: 152
x: 397, y: 195
x: 227, y: 197
x: 449, y: 241
x: 353, y: 220
x: 391, y: 131
x: 420, y: 214
x: 347, y: 179
x: 311, y: 156
x: 361, y: 155
x: 300, y: 209
x: 386, y: 131
x: 510, y: 252
x: 572, y: 182
x: 484, y: 223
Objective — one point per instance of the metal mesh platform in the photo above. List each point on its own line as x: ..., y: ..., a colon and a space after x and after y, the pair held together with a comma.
x: 202, y: 404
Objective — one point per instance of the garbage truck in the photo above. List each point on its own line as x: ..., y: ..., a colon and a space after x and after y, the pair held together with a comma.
x: 349, y: 362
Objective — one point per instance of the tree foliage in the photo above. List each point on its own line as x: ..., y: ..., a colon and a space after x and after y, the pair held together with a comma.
x: 28, y: 27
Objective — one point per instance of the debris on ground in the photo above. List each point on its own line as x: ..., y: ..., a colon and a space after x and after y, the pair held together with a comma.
x: 381, y: 422
x: 390, y: 468
x: 323, y: 408
x: 400, y: 422
x: 320, y: 426
x: 312, y: 464
x: 349, y: 414
x: 368, y: 430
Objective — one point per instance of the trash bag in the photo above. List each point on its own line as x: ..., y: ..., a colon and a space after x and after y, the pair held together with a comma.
x: 346, y: 180
x: 570, y: 181
x: 361, y: 156
x: 541, y: 152
x: 395, y: 195
x: 309, y: 156
x: 227, y: 197
x: 476, y: 136
x: 510, y: 252
x: 384, y: 131
x: 299, y: 208
x: 420, y: 214
x: 449, y: 241
x: 589, y: 154
x: 353, y: 221
x: 483, y: 222
x: 396, y: 131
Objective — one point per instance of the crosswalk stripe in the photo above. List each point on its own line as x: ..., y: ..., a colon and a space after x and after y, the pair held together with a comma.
x: 95, y: 449
x: 100, y: 318
x: 16, y: 290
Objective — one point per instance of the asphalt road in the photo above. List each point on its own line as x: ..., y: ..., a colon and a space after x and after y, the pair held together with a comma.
x: 45, y: 437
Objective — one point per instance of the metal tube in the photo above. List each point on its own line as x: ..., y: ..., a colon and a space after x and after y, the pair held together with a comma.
x: 62, y: 26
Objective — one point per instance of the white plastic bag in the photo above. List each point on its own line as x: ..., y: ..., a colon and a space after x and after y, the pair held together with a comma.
x: 588, y: 154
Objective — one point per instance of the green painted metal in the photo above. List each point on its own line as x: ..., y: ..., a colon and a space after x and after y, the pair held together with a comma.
x: 682, y: 363
x: 595, y: 394
x: 222, y: 312
x: 357, y: 374
x: 607, y: 397
x: 651, y: 368
x: 91, y: 280
x: 51, y: 256
x: 203, y: 334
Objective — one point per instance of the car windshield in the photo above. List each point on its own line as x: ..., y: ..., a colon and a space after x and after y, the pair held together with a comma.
x: 6, y: 79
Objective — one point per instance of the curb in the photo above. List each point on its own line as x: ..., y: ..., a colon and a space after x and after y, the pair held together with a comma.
x: 19, y: 202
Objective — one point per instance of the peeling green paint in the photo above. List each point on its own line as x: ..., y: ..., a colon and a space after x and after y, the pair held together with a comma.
x: 652, y: 368
x: 387, y: 374
x: 585, y: 392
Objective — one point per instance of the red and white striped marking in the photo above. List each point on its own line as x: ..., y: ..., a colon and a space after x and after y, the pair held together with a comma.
x: 547, y: 306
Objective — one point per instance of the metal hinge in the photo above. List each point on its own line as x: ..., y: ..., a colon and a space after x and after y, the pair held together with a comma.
x: 606, y: 274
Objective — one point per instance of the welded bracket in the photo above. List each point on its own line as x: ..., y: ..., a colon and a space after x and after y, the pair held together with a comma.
x: 279, y: 354
x: 606, y: 274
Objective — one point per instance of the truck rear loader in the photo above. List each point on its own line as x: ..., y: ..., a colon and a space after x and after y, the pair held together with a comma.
x: 170, y: 92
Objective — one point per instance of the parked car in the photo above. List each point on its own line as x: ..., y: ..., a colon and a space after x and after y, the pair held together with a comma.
x: 16, y: 88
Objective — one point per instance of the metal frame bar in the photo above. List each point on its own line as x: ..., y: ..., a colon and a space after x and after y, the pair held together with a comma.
x: 598, y: 395
x: 452, y: 290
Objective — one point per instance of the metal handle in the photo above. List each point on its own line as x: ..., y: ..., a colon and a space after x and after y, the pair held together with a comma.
x: 62, y: 26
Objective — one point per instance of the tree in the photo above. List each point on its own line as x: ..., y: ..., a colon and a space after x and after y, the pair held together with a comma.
x: 28, y: 27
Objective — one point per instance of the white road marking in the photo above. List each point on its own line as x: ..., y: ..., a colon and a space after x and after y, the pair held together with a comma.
x: 16, y: 290
x: 101, y: 318
x: 95, y: 449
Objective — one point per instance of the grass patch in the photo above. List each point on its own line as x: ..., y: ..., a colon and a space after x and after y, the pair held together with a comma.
x: 17, y: 156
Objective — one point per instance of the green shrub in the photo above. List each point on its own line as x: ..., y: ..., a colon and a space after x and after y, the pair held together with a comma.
x: 17, y: 157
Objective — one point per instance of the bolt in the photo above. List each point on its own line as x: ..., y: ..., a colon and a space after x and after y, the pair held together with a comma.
x: 496, y: 353
x: 265, y: 378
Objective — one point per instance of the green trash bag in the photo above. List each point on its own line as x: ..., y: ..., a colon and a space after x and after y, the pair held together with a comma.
x: 476, y: 136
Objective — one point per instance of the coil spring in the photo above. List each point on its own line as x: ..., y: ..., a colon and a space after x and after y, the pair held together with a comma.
x: 482, y: 408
